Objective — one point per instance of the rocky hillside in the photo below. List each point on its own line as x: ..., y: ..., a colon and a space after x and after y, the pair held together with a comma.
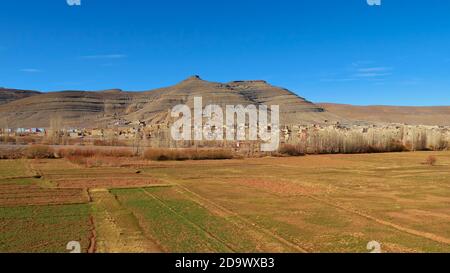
x: 102, y: 108
x: 8, y: 95
x: 154, y: 106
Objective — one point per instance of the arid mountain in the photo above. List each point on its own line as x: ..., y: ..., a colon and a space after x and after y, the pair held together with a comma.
x: 102, y: 108
x: 438, y: 115
x: 8, y: 95
x: 73, y: 108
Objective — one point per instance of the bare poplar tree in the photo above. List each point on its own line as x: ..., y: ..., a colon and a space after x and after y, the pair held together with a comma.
x: 4, y: 126
x: 55, y: 129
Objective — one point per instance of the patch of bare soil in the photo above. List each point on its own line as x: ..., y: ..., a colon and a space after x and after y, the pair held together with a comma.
x: 21, y: 195
x: 109, y: 182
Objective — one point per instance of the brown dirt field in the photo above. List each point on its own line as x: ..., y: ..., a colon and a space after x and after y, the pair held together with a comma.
x: 71, y: 175
x: 46, y: 197
x: 13, y: 194
x: 382, y: 195
x: 282, y: 188
x: 107, y: 183
x: 323, y: 203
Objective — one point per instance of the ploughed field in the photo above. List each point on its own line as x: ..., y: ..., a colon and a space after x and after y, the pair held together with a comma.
x: 323, y: 203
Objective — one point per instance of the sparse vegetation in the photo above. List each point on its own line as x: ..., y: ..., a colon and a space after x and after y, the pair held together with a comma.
x: 112, y: 142
x: 96, y: 157
x: 39, y: 152
x: 7, y: 139
x: 11, y: 152
x: 91, y: 152
x: 431, y: 160
x: 43, y: 229
x: 270, y: 204
x: 186, y: 154
x: 292, y: 150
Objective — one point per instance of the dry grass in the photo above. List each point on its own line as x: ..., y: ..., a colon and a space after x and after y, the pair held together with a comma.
x: 90, y: 158
x: 11, y: 152
x: 321, y: 202
x: 7, y: 139
x: 30, y: 152
x: 431, y: 160
x: 113, y: 142
x: 292, y: 150
x: 92, y: 152
x: 187, y: 154
x: 20, y: 140
x: 39, y: 152
x: 98, y: 161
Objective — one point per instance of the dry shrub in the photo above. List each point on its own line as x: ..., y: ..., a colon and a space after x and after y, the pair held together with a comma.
x: 74, y: 141
x: 99, y: 142
x: 95, y: 157
x: 39, y: 152
x: 96, y: 161
x: 79, y: 160
x: 90, y: 158
x: 291, y: 150
x: 88, y: 152
x: 431, y: 160
x: 186, y: 154
x: 75, y: 152
x: 26, y: 140
x: 8, y: 139
x: 160, y: 154
x: 397, y: 146
x: 392, y: 147
x: 11, y: 152
x: 113, y: 142
x: 210, y: 154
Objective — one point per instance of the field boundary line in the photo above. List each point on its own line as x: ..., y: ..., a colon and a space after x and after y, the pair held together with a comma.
x: 93, y: 238
x: 245, y: 220
x: 19, y: 177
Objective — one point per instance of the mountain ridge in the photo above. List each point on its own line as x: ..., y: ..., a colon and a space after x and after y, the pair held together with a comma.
x: 106, y: 107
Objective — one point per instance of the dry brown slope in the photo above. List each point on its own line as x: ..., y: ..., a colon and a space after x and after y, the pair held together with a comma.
x: 8, y: 95
x: 98, y: 109
x: 74, y: 107
x: 437, y: 115
x: 155, y: 105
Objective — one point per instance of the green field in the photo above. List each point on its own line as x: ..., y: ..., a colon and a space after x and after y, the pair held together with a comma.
x: 44, y: 228
x: 323, y: 203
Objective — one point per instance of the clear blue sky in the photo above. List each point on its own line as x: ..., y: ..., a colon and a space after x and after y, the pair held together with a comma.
x: 341, y: 51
